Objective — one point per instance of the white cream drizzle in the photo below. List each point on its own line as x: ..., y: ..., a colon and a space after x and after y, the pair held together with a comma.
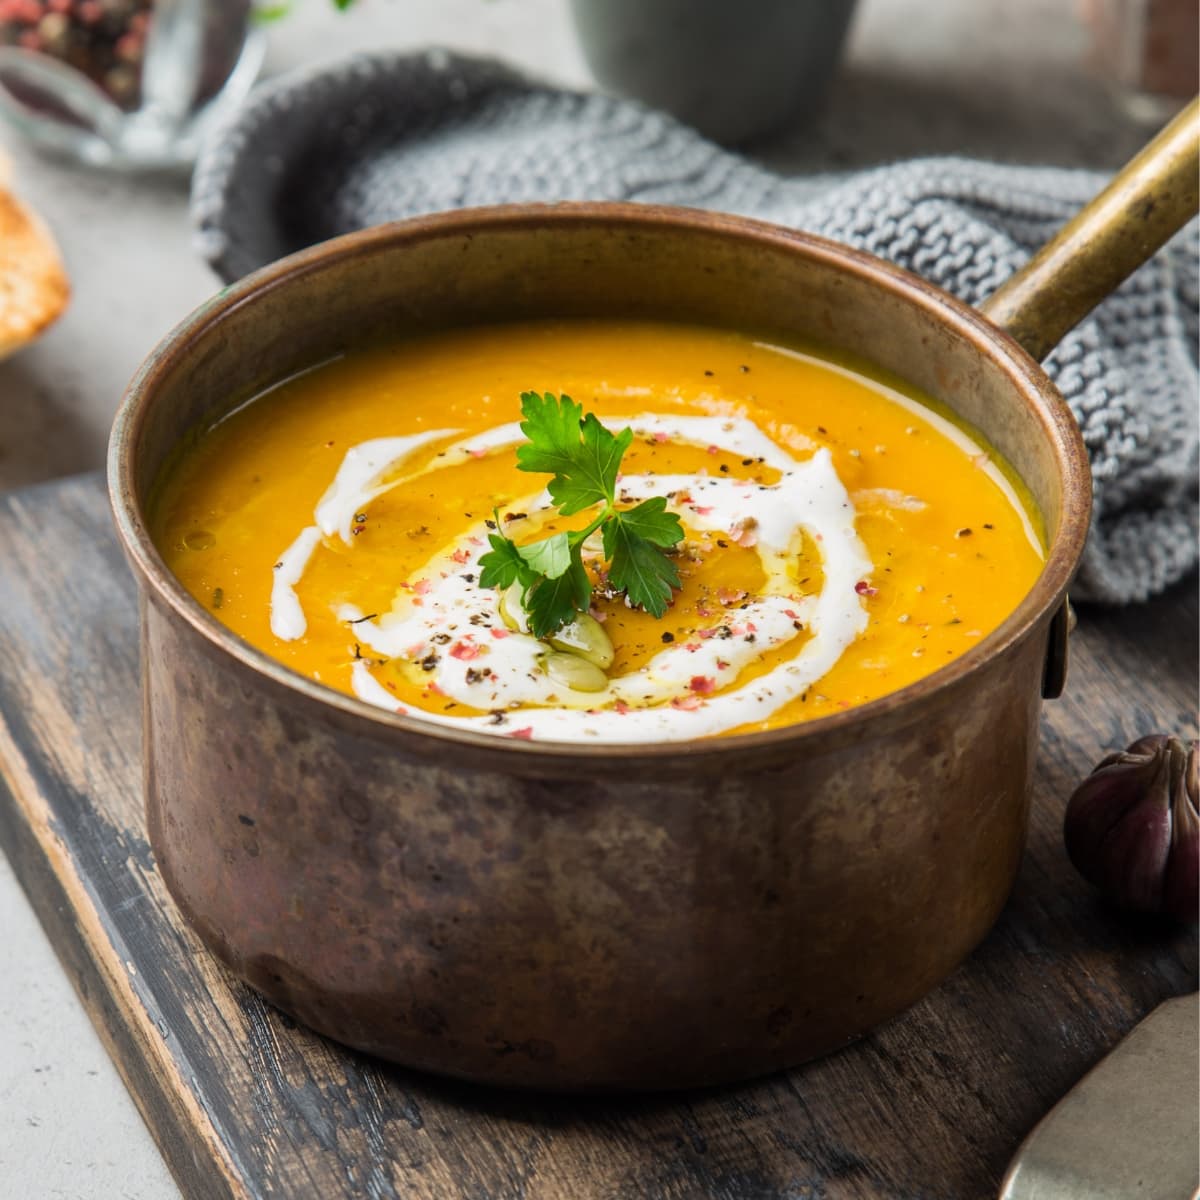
x: 359, y: 479
x: 288, y: 621
x: 445, y: 620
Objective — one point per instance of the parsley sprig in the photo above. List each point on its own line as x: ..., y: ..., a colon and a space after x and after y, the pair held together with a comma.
x: 585, y: 458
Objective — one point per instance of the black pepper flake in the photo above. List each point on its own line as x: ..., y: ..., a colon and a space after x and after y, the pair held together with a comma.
x: 668, y: 638
x: 490, y: 524
x: 469, y: 577
x: 245, y: 820
x: 277, y: 566
x: 724, y: 468
x: 359, y: 518
x: 440, y: 639
x: 516, y: 516
x: 360, y: 620
x: 745, y: 370
x: 747, y: 462
x: 218, y: 597
x: 954, y: 621
x: 429, y: 662
x: 820, y: 429
x: 708, y: 373
x: 987, y: 526
x: 963, y: 533
x: 723, y: 545
x: 357, y: 651
x: 498, y: 716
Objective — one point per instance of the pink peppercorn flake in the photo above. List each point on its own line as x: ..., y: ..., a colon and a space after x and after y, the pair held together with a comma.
x: 702, y: 685
x: 476, y: 453
x: 863, y: 588
x: 701, y: 510
x: 687, y: 703
x: 498, y: 633
x: 461, y: 555
x: 729, y: 596
x: 621, y: 707
x: 524, y: 735
x: 421, y: 587
x: 744, y: 533
x: 465, y: 651
x: 661, y: 437
x: 714, y: 449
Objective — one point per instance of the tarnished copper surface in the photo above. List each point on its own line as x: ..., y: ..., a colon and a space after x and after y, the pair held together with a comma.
x: 578, y: 916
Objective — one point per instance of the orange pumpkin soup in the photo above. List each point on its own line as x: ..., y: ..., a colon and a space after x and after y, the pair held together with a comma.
x: 841, y: 538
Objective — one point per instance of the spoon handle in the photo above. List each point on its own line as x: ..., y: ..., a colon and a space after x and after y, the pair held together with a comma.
x: 1152, y: 197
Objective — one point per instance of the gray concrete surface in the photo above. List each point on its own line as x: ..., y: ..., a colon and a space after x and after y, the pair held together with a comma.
x: 997, y: 80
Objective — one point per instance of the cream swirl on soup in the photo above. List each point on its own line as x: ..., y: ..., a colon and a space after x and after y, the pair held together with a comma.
x: 444, y: 623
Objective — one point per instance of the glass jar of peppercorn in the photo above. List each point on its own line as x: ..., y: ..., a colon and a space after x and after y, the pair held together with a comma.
x: 124, y: 82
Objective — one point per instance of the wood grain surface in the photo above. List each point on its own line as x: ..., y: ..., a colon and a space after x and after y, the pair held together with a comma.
x: 245, y: 1104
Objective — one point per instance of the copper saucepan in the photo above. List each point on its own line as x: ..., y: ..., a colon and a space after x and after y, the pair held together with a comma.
x: 582, y: 917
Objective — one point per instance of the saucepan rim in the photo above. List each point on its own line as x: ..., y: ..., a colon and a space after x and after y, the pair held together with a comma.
x: 1027, y: 377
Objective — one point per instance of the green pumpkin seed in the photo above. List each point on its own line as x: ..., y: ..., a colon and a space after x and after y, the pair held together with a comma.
x: 575, y: 672
x: 585, y: 637
x: 511, y: 610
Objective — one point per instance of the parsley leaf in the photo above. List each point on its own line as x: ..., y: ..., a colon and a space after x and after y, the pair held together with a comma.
x: 550, y: 557
x: 503, y: 565
x: 638, y: 566
x: 553, y: 603
x: 581, y: 454
x: 584, y: 459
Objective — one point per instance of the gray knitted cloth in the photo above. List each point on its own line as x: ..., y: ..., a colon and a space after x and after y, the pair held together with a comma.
x: 322, y: 152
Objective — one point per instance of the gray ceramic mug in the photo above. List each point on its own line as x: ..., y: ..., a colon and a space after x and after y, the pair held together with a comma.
x: 734, y: 69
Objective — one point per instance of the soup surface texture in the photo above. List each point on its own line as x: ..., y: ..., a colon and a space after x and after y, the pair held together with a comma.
x: 841, y: 539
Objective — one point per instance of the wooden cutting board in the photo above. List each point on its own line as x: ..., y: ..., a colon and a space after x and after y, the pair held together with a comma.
x: 245, y: 1104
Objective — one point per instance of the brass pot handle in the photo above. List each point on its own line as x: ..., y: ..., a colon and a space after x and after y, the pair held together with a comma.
x: 1152, y: 197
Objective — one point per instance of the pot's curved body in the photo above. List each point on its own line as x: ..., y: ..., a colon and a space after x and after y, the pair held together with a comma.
x: 588, y: 917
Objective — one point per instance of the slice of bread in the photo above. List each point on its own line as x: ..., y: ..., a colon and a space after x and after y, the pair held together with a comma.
x: 34, y: 288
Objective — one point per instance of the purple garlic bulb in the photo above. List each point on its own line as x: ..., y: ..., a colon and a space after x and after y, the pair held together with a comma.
x: 1133, y: 827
